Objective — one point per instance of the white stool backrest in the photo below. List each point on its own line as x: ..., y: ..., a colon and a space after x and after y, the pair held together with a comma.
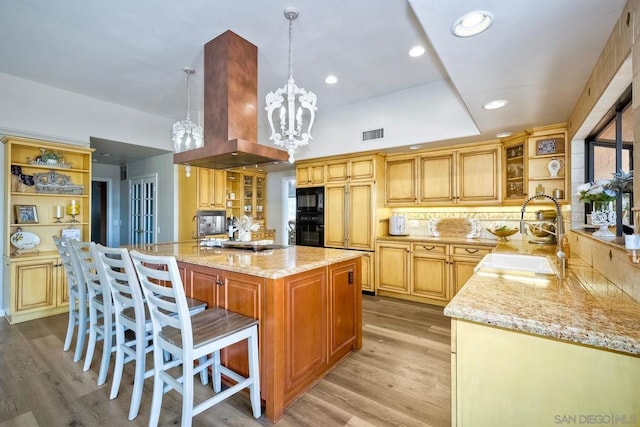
x: 116, y: 270
x: 82, y: 252
x: 72, y: 268
x: 167, y: 304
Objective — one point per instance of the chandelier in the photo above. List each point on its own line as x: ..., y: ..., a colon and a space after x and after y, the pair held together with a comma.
x: 186, y: 134
x: 290, y: 133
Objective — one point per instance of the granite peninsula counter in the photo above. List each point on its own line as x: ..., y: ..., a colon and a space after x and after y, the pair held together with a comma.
x: 546, y: 353
x: 308, y: 301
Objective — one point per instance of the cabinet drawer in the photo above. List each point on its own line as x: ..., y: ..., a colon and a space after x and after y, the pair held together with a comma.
x: 429, y: 248
x: 470, y: 251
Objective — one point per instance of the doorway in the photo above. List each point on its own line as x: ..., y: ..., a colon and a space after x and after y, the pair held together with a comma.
x: 99, y: 212
x: 142, y: 209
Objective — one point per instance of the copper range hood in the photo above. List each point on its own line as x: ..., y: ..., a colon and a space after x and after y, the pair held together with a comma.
x: 230, y: 108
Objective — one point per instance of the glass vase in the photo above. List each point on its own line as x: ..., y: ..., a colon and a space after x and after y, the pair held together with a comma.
x: 603, y: 214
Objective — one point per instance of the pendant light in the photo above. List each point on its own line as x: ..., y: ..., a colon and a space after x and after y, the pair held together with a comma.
x: 186, y: 134
x: 290, y: 131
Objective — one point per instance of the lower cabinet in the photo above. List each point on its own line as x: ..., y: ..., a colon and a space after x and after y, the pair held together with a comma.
x: 308, y: 322
x: 500, y: 377
x: 425, y: 272
x: 38, y: 288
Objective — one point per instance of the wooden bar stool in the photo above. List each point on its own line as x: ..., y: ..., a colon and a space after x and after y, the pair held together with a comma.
x: 131, y: 313
x: 101, y: 324
x: 77, y: 291
x: 191, y: 338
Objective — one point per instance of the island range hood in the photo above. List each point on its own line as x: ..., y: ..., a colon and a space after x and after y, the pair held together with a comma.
x: 230, y: 108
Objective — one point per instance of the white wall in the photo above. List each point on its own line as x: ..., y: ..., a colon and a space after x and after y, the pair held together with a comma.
x: 276, y: 205
x: 36, y: 110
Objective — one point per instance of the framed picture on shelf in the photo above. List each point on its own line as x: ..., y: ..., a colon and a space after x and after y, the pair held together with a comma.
x: 71, y: 233
x: 26, y: 214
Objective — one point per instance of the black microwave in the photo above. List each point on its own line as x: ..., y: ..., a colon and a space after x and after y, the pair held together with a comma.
x: 310, y: 200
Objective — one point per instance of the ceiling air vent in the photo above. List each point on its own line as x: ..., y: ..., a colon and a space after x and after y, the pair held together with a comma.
x: 369, y: 135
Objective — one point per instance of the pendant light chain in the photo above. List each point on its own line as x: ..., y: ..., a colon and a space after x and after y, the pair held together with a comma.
x: 290, y: 48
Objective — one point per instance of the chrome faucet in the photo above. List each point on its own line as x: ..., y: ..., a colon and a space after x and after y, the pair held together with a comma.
x: 562, y: 257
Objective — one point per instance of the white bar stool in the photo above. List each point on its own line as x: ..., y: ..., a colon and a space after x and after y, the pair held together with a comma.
x: 191, y: 338
x: 77, y: 290
x: 101, y: 324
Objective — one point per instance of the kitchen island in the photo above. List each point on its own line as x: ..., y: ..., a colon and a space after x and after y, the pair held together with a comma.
x: 308, y: 301
x: 562, y: 352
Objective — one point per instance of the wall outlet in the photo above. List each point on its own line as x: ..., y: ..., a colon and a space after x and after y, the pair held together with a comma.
x: 413, y: 223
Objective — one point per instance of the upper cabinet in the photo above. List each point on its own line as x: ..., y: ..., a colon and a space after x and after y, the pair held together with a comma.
x: 246, y: 194
x: 211, y: 185
x: 310, y: 174
x: 548, y: 162
x: 536, y: 162
x: 459, y: 176
x: 356, y: 169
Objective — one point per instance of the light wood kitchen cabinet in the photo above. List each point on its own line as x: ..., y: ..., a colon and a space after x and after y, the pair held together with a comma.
x: 368, y: 271
x: 392, y: 268
x: 41, y: 181
x: 429, y: 271
x: 38, y: 288
x: 356, y: 169
x: 349, y: 214
x: 401, y: 181
x: 459, y: 176
x: 246, y: 194
x: 211, y: 187
x: 310, y: 175
x: 500, y: 377
x: 514, y: 164
x: 464, y: 259
x: 425, y: 272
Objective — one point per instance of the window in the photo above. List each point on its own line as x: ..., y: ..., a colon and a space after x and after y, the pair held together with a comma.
x: 609, y: 150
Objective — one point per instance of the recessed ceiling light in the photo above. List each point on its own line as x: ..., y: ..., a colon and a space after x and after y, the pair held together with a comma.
x: 472, y: 23
x: 416, y: 51
x: 496, y: 103
x: 331, y: 79
x: 504, y: 134
x: 414, y: 147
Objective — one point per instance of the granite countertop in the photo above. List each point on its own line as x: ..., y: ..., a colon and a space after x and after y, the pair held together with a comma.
x: 271, y: 263
x: 582, y: 307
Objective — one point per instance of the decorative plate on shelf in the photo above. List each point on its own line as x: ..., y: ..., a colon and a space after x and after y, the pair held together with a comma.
x: 24, y: 240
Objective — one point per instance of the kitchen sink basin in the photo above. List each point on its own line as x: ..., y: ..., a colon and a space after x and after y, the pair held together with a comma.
x: 516, y: 263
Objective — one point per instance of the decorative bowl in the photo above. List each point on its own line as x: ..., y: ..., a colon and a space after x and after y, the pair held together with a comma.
x: 503, y: 232
x: 542, y: 229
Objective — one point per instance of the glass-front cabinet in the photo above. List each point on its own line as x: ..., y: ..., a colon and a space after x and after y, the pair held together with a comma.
x: 515, y: 169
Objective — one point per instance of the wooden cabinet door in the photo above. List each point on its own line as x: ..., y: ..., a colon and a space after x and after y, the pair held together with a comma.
x: 362, y: 169
x: 335, y: 204
x: 202, y: 283
x: 368, y: 272
x: 437, y: 178
x: 401, y: 180
x: 392, y: 273
x: 479, y: 176
x: 310, y: 175
x: 60, y: 283
x: 211, y: 188
x: 242, y: 294
x: 360, y: 227
x: 343, y: 290
x: 337, y: 172
x: 429, y: 271
x: 305, y: 329
x: 34, y: 281
x: 461, y: 270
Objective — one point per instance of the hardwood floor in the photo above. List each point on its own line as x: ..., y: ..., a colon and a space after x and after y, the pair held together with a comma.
x: 401, y: 377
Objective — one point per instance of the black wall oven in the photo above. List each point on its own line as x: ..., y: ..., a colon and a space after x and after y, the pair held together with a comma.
x: 310, y: 216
